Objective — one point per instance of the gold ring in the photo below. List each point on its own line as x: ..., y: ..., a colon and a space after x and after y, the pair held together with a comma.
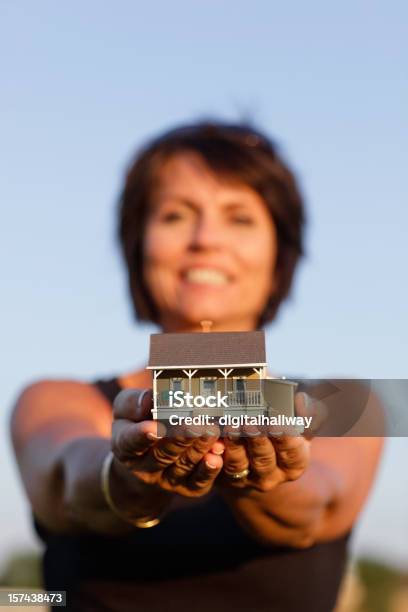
x: 239, y: 475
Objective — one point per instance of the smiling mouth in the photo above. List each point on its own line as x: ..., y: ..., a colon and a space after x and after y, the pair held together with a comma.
x: 206, y: 276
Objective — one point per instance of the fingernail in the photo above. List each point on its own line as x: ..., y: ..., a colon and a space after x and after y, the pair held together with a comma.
x: 140, y: 399
x: 233, y: 435
x: 152, y: 436
x: 211, y: 466
x: 253, y: 434
x: 210, y: 432
x: 276, y: 434
x: 307, y: 400
x: 217, y: 452
x: 193, y: 433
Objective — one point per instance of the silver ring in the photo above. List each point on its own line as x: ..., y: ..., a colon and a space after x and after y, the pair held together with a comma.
x: 239, y: 475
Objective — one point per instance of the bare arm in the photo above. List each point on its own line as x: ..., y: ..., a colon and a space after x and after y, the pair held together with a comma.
x: 319, y: 505
x: 61, y: 432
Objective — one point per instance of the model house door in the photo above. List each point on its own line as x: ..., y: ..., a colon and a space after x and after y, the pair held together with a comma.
x: 240, y: 390
x: 240, y: 384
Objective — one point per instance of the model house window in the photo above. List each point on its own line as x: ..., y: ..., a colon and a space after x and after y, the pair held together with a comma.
x: 208, y: 386
x: 176, y: 384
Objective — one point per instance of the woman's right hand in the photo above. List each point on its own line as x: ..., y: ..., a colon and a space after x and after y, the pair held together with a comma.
x: 186, y: 464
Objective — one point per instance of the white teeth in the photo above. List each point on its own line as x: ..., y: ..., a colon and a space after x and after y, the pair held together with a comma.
x: 208, y: 276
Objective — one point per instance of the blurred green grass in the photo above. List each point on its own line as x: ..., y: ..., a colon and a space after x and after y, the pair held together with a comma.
x: 22, y: 569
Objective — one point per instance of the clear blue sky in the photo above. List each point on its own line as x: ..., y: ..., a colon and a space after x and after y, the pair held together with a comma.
x: 84, y: 83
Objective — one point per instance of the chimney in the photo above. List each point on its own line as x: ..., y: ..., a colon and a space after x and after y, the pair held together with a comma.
x: 206, y: 325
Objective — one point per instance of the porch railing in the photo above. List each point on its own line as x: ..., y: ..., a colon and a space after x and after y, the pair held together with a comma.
x: 245, y: 398
x: 235, y: 398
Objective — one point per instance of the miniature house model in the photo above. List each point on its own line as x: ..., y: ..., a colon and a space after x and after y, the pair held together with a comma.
x: 233, y: 363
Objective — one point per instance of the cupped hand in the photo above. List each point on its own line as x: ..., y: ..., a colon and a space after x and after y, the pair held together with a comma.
x: 187, y: 463
x: 261, y: 458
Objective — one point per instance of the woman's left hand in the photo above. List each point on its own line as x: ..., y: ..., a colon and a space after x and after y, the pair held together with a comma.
x: 260, y: 459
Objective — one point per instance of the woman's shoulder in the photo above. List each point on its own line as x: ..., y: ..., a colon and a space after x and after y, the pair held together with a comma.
x: 48, y: 401
x: 46, y: 389
x: 110, y: 387
x: 77, y: 392
x: 137, y: 379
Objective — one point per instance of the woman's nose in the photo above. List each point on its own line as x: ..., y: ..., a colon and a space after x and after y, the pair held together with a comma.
x: 206, y: 233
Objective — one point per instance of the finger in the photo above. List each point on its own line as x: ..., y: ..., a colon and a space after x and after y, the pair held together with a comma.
x: 235, y: 455
x: 231, y: 432
x: 292, y: 455
x: 194, y: 431
x: 285, y: 431
x: 273, y: 431
x: 188, y: 461
x: 303, y: 404
x: 133, y: 404
x: 307, y: 406
x: 130, y: 440
x: 218, y: 447
x: 262, y: 456
x: 166, y: 452
x: 206, y: 472
x: 250, y: 431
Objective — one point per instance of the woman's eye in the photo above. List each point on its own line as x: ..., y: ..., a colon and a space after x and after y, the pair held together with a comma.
x: 243, y: 220
x: 171, y: 216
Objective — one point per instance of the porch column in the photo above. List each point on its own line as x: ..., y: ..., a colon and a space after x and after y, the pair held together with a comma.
x: 156, y: 374
x: 225, y: 374
x: 261, y: 374
x: 190, y: 374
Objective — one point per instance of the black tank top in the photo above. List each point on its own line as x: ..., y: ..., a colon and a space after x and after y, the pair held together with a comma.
x: 197, y: 559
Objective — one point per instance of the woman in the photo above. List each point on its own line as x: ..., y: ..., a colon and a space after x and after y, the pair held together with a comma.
x: 211, y: 224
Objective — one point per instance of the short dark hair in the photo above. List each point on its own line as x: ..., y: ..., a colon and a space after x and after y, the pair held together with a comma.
x: 235, y: 150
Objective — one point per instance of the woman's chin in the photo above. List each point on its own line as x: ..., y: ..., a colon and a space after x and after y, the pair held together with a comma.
x: 193, y: 314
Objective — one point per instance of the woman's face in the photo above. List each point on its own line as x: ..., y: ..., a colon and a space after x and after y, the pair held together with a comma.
x: 210, y: 249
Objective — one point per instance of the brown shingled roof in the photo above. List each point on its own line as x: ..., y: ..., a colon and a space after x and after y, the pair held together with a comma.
x: 207, y: 349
